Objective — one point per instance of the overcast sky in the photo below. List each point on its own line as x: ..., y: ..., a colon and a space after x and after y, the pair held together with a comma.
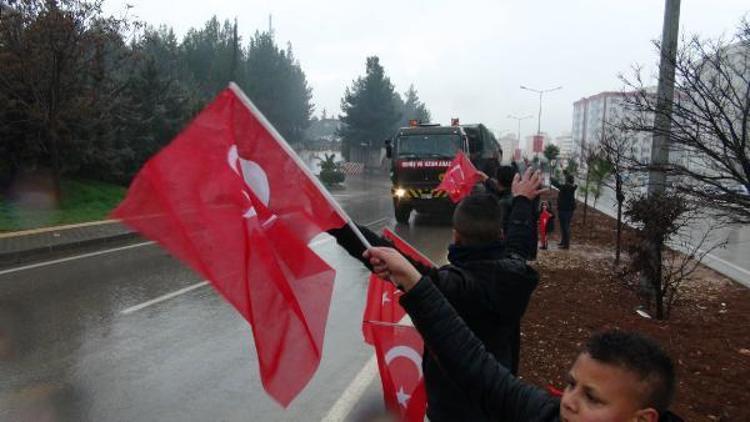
x: 467, y: 59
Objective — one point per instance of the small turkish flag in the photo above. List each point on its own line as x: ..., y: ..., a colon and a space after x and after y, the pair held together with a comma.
x: 399, y: 353
x: 229, y: 198
x: 382, y: 296
x: 460, y: 178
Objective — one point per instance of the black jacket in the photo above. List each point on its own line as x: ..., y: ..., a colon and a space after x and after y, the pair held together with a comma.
x: 566, y: 199
x: 490, y: 287
x: 464, y: 358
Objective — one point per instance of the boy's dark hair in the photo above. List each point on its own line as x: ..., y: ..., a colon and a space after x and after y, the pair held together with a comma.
x: 569, y: 179
x: 504, y: 176
x: 641, y: 355
x: 478, y: 219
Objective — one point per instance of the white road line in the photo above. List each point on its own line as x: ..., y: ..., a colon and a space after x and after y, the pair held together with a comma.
x: 378, y: 221
x: 162, y: 298
x: 182, y: 291
x: 73, y: 258
x: 353, y: 392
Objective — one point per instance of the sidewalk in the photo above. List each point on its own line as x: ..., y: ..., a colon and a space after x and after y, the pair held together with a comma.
x: 30, y: 245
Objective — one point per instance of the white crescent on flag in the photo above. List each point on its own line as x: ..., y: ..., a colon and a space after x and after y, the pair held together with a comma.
x: 406, y: 352
x: 253, y: 175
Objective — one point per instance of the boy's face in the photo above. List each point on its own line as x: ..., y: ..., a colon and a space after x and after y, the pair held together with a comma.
x: 598, y: 391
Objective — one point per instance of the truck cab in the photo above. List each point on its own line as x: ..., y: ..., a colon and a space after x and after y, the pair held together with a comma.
x: 420, y: 155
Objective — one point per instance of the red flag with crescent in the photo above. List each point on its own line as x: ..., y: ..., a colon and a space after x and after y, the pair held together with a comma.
x: 460, y: 178
x: 398, y: 349
x: 382, y: 296
x: 229, y: 198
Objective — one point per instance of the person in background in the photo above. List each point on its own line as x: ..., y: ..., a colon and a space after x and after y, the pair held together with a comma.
x: 566, y: 204
x: 545, y: 219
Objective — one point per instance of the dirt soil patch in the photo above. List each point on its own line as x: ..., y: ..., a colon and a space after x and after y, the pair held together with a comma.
x: 707, y: 335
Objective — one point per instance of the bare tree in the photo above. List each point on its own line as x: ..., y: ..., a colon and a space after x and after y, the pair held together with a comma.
x: 617, y: 150
x: 589, y: 156
x: 710, y: 121
x: 670, y: 218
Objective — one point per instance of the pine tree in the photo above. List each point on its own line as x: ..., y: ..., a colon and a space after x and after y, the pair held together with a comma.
x: 371, y: 109
x: 278, y: 86
x: 414, y: 108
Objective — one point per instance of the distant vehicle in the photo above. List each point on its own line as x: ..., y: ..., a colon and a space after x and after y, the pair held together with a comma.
x: 420, y: 155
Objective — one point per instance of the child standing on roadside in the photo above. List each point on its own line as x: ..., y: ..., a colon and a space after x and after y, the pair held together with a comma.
x: 545, y: 218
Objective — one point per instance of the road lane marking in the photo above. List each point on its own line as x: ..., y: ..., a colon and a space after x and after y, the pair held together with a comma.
x: 356, y: 389
x: 353, y: 392
x: 73, y: 258
x: 182, y: 291
x: 190, y: 288
x: 162, y: 298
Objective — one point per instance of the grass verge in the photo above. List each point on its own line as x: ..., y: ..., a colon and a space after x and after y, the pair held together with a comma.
x: 81, y: 201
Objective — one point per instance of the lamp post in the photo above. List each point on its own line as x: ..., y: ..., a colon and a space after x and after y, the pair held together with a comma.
x: 518, y: 119
x: 541, y: 92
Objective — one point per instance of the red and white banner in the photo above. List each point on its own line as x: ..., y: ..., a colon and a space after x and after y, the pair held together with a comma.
x: 230, y: 199
x: 538, y: 143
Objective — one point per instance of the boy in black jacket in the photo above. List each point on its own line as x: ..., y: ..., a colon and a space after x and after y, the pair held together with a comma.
x: 617, y: 377
x: 487, y: 281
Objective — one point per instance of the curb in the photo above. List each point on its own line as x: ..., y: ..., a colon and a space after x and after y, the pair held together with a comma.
x: 47, y: 229
x: 44, y: 252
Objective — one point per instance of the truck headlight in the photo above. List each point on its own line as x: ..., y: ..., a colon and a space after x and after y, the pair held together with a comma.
x: 400, y: 192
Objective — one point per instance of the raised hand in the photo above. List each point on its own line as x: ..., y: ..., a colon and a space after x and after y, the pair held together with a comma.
x: 528, y: 185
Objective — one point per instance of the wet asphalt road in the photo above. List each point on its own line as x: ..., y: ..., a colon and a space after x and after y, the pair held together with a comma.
x: 68, y: 351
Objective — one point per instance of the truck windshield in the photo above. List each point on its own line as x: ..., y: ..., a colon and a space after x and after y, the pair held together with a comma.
x: 432, y: 145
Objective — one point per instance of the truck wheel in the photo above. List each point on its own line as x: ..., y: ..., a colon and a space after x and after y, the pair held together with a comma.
x: 402, y: 213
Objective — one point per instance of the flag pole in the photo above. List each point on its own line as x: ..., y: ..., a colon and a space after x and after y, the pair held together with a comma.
x: 283, y: 144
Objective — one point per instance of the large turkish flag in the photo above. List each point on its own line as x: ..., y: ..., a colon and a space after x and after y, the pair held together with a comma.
x: 231, y: 199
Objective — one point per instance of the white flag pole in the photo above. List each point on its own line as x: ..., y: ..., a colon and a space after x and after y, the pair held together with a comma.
x: 283, y: 144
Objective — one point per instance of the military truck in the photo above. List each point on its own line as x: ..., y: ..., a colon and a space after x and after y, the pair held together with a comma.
x: 485, y: 152
x: 421, y: 153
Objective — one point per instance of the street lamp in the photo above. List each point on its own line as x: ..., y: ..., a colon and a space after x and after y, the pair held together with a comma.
x: 518, y: 119
x: 540, y: 92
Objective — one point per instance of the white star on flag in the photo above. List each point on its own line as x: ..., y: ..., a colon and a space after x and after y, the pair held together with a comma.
x: 402, y: 397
